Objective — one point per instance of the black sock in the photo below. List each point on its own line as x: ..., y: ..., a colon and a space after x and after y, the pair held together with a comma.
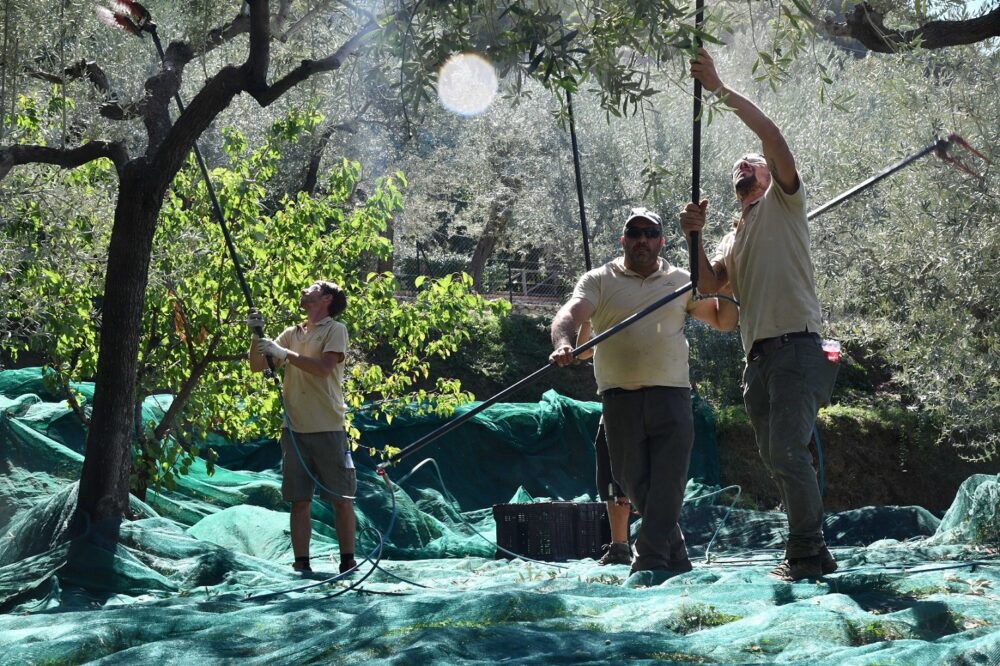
x: 346, y: 557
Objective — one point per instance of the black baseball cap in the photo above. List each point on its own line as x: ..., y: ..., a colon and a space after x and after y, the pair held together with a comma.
x: 643, y: 214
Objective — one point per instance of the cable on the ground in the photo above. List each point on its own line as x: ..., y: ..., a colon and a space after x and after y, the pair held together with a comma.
x: 722, y: 522
x: 374, y: 557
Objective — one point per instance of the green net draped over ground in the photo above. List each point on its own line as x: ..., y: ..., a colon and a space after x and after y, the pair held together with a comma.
x: 542, y: 447
x: 201, y: 574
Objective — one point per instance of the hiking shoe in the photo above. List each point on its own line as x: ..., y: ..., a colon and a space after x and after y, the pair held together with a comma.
x: 348, y: 565
x: 798, y: 568
x: 828, y: 564
x: 615, y: 553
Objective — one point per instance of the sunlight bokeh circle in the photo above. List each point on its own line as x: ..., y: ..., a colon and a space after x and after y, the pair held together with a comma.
x: 467, y: 84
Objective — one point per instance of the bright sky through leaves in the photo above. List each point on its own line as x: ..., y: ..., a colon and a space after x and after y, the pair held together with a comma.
x: 467, y: 84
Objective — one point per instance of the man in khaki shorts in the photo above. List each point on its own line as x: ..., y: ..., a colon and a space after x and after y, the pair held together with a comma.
x: 766, y: 261
x: 313, y: 433
x: 643, y: 379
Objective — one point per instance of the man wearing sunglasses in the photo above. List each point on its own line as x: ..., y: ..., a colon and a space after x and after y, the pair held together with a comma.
x: 765, y: 259
x: 643, y: 379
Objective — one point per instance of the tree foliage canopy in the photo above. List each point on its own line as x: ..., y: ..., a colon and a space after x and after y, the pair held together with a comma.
x: 194, y: 342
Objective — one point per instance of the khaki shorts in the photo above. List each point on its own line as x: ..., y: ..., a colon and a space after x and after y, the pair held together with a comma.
x: 325, y: 455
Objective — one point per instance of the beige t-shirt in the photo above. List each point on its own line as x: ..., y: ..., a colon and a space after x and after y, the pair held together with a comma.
x: 315, y: 404
x: 767, y: 259
x: 651, y: 352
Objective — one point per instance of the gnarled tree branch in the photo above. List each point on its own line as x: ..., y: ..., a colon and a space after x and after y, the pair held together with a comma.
x: 111, y: 108
x: 80, y: 68
x: 867, y: 25
x: 240, y: 25
x: 307, y: 68
x: 114, y: 110
x: 68, y: 158
x: 259, y: 57
x: 224, y: 34
x: 309, y: 17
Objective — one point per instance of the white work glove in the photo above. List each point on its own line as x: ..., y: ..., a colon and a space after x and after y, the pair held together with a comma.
x: 268, y: 347
x: 255, y: 322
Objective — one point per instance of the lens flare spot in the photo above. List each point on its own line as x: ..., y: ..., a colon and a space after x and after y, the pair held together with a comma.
x: 467, y: 84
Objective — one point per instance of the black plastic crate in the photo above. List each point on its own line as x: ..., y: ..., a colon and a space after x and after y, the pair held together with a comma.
x: 592, y: 529
x: 552, y: 531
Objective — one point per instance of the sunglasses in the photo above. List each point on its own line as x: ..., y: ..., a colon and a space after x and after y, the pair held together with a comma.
x: 639, y: 232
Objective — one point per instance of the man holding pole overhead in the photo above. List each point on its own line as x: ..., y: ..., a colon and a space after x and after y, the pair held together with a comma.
x: 766, y: 261
x: 643, y: 378
x: 314, y: 446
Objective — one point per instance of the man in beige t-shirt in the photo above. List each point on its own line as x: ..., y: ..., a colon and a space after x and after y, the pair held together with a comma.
x: 765, y: 260
x: 314, y: 447
x: 643, y: 379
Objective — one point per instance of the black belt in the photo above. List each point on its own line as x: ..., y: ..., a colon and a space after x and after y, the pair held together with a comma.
x: 614, y: 390
x: 768, y: 345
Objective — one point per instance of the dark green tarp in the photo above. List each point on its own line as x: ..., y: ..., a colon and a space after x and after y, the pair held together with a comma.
x: 202, y: 575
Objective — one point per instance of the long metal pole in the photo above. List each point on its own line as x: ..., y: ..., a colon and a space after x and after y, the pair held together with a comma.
x: 541, y: 372
x: 696, y: 151
x: 579, y: 181
x: 939, y: 145
x: 217, y: 209
x: 211, y: 193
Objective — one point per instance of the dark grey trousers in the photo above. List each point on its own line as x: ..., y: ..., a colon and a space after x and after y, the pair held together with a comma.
x: 783, y: 390
x: 650, y: 433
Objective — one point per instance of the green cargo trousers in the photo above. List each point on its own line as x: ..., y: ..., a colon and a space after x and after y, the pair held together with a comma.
x: 650, y: 433
x: 783, y: 391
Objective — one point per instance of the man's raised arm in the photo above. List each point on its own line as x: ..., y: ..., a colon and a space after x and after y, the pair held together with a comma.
x: 779, y: 156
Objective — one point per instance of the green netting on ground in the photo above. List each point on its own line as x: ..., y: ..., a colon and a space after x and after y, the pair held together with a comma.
x: 544, y: 447
x: 202, y: 575
x: 539, y: 446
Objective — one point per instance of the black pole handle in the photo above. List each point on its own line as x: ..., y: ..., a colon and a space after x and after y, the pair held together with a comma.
x: 217, y: 209
x: 696, y: 152
x: 579, y: 181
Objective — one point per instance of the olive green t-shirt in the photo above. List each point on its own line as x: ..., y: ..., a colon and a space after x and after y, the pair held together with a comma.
x: 651, y: 352
x: 315, y: 404
x: 767, y: 260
